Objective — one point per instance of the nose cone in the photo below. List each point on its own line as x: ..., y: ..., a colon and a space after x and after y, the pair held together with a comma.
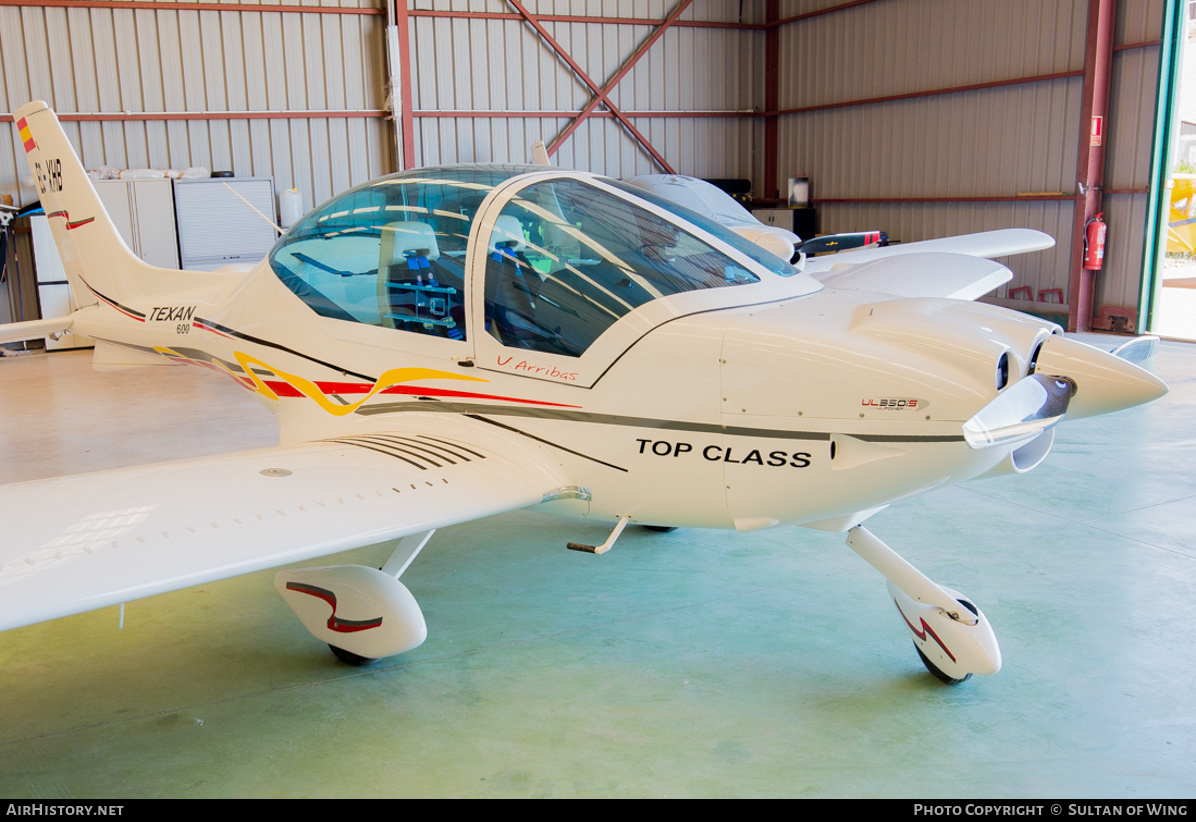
x: 1103, y: 381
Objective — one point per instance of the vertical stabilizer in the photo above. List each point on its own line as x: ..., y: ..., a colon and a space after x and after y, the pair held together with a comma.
x: 95, y: 258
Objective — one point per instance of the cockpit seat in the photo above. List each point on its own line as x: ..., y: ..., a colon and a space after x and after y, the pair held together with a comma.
x: 511, y: 286
x: 412, y: 290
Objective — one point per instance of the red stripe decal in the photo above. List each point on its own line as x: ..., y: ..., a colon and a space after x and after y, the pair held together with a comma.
x: 285, y: 389
x: 120, y: 309
x: 26, y: 137
x: 926, y: 630
x: 113, y: 305
x: 416, y: 391
x: 199, y: 324
x: 341, y: 626
x: 282, y: 389
x: 67, y: 217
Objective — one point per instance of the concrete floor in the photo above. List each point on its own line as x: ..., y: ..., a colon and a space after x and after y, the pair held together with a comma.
x: 686, y: 664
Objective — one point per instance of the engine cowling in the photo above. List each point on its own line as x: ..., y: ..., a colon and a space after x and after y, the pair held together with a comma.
x: 1104, y: 382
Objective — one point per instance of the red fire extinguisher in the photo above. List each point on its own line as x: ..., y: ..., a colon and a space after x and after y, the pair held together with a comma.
x: 1094, y: 242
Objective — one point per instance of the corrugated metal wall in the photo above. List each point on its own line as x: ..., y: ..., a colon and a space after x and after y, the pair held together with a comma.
x: 484, y: 87
x: 162, y: 61
x: 217, y: 67
x: 985, y: 143
x: 502, y: 70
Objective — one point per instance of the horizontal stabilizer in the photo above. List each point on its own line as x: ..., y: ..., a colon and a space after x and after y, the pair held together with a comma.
x: 33, y: 329
x: 1138, y: 349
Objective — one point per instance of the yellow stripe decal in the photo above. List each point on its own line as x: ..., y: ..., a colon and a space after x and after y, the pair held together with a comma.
x: 309, y: 389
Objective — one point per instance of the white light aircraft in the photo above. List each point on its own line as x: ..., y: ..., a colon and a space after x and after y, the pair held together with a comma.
x: 449, y: 343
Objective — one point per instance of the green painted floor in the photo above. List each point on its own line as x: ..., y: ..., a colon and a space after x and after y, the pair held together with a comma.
x: 686, y: 664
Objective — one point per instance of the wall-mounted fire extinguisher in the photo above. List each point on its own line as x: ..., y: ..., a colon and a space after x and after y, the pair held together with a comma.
x: 1094, y: 242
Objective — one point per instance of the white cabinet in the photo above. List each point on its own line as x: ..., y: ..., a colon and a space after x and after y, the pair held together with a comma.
x: 143, y: 212
x: 218, y: 223
x: 779, y: 217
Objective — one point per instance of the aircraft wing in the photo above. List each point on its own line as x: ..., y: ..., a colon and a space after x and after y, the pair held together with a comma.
x: 960, y: 267
x: 78, y: 543
x: 921, y: 275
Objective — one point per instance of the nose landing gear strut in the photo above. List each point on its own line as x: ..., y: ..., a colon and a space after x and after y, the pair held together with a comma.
x: 952, y: 636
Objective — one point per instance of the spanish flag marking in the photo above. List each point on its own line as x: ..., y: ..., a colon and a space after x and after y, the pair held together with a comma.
x: 26, y: 137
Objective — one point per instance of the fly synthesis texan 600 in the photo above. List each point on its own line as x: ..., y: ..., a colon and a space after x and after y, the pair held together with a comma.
x: 449, y: 343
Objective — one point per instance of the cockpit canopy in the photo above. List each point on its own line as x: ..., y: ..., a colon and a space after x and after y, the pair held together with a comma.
x: 564, y: 259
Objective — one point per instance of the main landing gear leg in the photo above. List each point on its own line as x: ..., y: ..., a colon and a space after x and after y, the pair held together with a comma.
x: 951, y: 635
x: 362, y: 613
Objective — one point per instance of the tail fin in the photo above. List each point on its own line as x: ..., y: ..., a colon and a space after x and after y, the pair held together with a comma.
x: 96, y: 260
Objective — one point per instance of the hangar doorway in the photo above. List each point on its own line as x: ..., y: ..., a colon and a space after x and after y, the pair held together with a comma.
x: 1169, y: 296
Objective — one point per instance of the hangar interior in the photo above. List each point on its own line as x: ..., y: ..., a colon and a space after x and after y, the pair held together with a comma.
x: 693, y: 663
x: 921, y: 118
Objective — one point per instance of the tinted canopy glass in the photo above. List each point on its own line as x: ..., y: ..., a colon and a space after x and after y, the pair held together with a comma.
x: 391, y: 252
x: 567, y: 259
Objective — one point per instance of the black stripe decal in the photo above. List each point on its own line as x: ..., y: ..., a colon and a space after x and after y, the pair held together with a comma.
x: 432, y: 448
x: 239, y: 335
x: 113, y: 302
x: 546, y: 442
x: 568, y: 415
x: 380, y: 451
x: 392, y: 448
x: 454, y: 445
x: 224, y: 329
x: 402, y: 447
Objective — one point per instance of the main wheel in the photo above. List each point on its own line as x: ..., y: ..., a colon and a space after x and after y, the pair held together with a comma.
x: 350, y: 658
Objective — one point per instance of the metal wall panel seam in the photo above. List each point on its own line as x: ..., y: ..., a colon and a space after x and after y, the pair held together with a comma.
x: 532, y: 115
x: 584, y: 19
x: 894, y: 150
x: 154, y: 5
x: 910, y: 41
x: 146, y: 116
x: 911, y: 95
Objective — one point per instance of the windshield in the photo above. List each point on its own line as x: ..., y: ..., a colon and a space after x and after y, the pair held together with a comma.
x: 774, y: 264
x: 567, y: 259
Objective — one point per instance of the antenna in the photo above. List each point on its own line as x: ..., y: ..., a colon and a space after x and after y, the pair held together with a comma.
x: 251, y: 205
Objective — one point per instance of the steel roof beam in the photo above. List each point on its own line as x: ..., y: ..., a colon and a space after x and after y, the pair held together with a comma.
x: 601, y: 94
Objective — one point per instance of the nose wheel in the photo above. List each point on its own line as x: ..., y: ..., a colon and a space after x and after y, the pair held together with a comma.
x: 952, y: 636
x: 939, y: 673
